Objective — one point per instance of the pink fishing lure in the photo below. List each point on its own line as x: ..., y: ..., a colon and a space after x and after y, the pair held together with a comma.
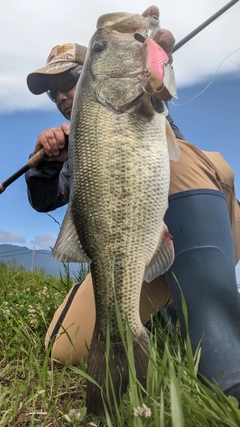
x: 155, y: 58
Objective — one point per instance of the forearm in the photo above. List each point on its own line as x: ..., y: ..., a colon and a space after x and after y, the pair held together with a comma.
x: 48, y: 186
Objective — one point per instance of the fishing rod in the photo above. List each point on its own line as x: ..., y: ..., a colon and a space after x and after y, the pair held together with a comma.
x: 203, y: 25
x: 31, y: 163
x: 41, y: 155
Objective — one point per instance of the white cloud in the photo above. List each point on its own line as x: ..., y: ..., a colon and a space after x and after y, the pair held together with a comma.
x: 8, y: 237
x: 45, y: 241
x: 238, y: 273
x: 28, y: 34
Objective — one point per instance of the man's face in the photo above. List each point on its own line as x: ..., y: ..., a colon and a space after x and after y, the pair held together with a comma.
x: 62, y: 89
x: 65, y: 101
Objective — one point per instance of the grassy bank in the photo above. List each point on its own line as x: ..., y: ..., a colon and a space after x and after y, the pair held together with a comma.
x: 35, y: 391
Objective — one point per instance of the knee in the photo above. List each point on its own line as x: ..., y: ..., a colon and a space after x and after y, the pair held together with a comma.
x: 68, y: 349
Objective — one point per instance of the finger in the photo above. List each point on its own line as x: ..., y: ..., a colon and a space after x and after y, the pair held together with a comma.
x: 51, y: 140
x: 61, y: 157
x: 150, y: 11
x: 166, y: 40
x: 66, y: 128
x: 56, y: 140
x: 46, y: 142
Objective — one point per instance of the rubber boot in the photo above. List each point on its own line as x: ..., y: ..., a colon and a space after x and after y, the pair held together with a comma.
x: 168, y: 316
x: 204, y: 266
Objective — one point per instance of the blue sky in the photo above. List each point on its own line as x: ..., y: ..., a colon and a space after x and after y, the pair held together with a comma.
x: 211, y: 120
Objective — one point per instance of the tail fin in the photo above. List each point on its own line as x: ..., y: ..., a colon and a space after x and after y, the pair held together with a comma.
x: 112, y: 372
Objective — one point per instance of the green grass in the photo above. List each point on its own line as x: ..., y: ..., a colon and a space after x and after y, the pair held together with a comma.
x: 36, y: 391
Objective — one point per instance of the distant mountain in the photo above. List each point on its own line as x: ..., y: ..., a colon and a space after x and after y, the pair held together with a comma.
x: 34, y: 260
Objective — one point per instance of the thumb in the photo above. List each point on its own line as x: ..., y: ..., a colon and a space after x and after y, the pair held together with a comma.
x: 150, y: 11
x: 66, y: 128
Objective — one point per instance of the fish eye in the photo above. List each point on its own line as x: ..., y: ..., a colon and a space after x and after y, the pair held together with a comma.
x: 99, y: 46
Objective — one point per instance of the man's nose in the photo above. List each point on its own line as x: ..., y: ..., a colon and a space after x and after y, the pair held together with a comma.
x: 61, y: 96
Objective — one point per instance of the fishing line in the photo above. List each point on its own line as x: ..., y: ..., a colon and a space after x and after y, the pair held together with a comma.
x: 208, y: 85
x: 54, y: 219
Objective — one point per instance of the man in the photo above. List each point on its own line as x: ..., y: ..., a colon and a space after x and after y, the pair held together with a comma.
x: 203, y: 217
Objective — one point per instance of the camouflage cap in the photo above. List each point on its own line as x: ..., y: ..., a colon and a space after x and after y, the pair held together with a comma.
x: 61, y: 58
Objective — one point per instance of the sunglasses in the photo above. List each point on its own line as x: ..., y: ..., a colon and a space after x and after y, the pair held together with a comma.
x: 64, y: 83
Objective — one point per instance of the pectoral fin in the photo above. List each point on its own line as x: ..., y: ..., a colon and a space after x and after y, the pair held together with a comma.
x: 173, y: 147
x: 68, y: 247
x: 163, y: 257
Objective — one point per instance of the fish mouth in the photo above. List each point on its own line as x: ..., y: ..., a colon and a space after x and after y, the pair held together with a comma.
x: 134, y: 101
x: 141, y: 83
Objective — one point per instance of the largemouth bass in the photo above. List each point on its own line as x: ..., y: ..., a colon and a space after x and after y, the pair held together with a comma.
x: 119, y: 157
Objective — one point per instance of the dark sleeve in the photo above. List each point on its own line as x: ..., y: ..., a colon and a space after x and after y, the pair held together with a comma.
x: 48, y: 185
x: 158, y: 106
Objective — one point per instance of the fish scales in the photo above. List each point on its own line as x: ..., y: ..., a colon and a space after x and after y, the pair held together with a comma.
x: 120, y: 193
x: 120, y: 179
x: 112, y: 202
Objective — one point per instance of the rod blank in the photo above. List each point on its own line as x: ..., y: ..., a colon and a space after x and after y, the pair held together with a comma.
x: 204, y: 25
